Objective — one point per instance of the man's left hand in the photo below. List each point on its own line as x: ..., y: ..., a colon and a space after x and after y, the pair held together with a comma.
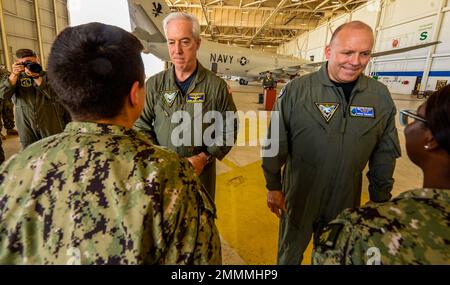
x: 198, y: 162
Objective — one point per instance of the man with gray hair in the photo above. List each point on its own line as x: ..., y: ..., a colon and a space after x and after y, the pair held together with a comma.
x: 179, y: 98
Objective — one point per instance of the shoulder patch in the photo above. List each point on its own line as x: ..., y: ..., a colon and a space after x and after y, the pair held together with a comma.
x: 329, y: 235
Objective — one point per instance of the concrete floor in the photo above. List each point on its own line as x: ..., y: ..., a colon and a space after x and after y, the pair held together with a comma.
x: 249, y: 230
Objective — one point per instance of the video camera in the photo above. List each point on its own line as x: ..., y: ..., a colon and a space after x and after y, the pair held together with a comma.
x: 32, y: 66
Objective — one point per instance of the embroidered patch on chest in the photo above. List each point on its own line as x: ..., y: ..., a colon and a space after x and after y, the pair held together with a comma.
x: 327, y: 110
x: 362, y: 112
x: 329, y: 236
x: 196, y: 98
x: 170, y: 97
x: 26, y: 82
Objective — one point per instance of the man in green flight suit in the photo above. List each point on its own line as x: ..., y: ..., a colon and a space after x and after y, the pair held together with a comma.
x: 268, y: 81
x: 331, y: 123
x: 38, y: 112
x: 180, y: 98
x: 101, y: 192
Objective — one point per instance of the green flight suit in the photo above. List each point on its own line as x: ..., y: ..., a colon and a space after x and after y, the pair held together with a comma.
x: 38, y: 112
x: 209, y: 93
x: 104, y: 194
x: 411, y: 229
x: 269, y: 83
x: 324, y: 145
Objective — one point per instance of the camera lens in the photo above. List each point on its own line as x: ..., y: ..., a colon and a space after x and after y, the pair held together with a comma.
x: 33, y: 67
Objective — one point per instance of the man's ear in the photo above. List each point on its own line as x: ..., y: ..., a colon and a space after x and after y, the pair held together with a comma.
x: 134, y: 94
x: 199, y: 42
x: 328, y: 51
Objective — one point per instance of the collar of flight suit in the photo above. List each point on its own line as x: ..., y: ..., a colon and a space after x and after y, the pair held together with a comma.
x: 201, y: 74
x: 360, y: 86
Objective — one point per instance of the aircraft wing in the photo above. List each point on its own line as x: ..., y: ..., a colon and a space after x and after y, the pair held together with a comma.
x: 405, y: 49
x: 285, y: 71
x: 381, y: 53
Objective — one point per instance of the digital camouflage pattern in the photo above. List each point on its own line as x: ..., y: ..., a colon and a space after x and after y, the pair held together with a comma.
x: 6, y: 107
x: 7, y: 111
x: 413, y: 228
x: 103, y: 194
x: 3, y: 73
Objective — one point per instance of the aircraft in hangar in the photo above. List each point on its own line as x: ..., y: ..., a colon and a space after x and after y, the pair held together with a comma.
x: 146, y: 23
x: 246, y: 64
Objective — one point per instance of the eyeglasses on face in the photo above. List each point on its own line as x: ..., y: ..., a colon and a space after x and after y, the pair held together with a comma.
x: 407, y: 117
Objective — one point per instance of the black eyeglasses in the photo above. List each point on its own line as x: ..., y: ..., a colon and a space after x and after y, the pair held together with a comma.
x: 406, y: 115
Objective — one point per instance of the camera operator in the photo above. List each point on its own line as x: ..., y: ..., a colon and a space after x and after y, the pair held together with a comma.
x: 38, y: 112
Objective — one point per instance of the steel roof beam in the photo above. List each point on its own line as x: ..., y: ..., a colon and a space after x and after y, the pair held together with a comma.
x: 205, y: 14
x: 266, y: 22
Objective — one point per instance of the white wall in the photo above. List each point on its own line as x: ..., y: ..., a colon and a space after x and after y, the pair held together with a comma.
x: 408, y: 26
x: 400, y: 10
x: 367, y: 13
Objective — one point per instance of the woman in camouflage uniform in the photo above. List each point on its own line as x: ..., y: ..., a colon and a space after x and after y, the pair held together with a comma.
x: 412, y: 228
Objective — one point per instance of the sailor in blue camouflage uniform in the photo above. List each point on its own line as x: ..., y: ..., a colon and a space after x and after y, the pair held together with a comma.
x: 413, y: 228
x: 101, y: 192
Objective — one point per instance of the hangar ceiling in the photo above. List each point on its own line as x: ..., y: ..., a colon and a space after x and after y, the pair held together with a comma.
x: 263, y: 23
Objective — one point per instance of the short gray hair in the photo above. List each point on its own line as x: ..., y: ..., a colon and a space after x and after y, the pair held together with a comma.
x: 183, y: 16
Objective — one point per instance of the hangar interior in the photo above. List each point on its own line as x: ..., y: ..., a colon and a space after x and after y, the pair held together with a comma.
x: 261, y: 24
x: 397, y: 24
x: 31, y: 24
x: 299, y: 28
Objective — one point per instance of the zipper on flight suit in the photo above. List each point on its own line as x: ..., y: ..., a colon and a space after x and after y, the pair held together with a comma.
x: 331, y: 187
x: 344, y: 108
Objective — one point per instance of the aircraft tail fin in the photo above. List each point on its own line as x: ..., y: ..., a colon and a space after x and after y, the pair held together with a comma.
x: 146, y: 19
